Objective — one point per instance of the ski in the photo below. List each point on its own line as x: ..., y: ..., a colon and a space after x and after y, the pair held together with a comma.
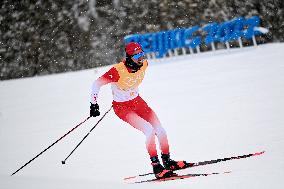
x: 204, y: 163
x: 177, y: 177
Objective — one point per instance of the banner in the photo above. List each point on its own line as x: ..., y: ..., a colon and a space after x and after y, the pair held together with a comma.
x: 160, y: 42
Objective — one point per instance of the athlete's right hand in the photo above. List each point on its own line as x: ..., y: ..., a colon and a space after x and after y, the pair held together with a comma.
x: 94, y: 110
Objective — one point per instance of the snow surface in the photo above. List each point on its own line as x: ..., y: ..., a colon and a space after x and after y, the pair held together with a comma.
x: 213, y: 105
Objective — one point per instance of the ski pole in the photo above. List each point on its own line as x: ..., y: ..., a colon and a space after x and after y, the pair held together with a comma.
x: 51, y: 145
x: 63, y: 162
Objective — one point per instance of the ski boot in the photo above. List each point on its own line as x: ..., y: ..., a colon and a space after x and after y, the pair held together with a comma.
x: 159, y: 171
x: 174, y: 165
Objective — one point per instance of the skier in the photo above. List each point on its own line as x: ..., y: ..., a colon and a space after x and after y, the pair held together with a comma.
x: 125, y: 77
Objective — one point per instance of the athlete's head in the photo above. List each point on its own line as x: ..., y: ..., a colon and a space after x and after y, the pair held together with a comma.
x: 134, y: 56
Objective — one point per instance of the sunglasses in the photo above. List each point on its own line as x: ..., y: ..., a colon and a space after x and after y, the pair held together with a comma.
x: 136, y: 57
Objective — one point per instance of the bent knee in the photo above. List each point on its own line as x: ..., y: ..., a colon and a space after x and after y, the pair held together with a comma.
x: 160, y: 130
x: 149, y: 132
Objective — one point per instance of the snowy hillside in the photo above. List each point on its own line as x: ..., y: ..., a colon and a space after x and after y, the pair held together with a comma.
x: 213, y: 105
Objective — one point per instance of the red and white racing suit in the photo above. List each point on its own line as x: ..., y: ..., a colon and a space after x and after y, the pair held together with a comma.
x: 130, y: 107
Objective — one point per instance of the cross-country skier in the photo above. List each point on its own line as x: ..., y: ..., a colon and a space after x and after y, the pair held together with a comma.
x: 125, y: 77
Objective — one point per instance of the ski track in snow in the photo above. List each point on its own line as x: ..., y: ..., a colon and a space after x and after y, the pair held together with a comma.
x: 212, y: 105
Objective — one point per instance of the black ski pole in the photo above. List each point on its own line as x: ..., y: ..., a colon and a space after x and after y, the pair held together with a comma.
x: 51, y: 145
x: 63, y: 162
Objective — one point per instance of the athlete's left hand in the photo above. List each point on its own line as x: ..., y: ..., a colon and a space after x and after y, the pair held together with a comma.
x: 94, y: 110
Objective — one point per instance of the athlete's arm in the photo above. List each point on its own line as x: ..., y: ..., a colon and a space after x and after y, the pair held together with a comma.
x: 109, y: 77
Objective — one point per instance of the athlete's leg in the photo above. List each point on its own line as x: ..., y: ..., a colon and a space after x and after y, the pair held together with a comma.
x: 145, y: 112
x: 129, y: 116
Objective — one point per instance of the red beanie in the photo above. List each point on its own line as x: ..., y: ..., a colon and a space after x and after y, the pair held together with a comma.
x: 133, y: 48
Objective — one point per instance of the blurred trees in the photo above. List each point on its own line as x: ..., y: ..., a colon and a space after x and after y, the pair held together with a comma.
x: 40, y: 37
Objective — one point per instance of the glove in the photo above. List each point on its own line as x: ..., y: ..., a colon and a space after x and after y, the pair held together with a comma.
x: 94, y: 110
